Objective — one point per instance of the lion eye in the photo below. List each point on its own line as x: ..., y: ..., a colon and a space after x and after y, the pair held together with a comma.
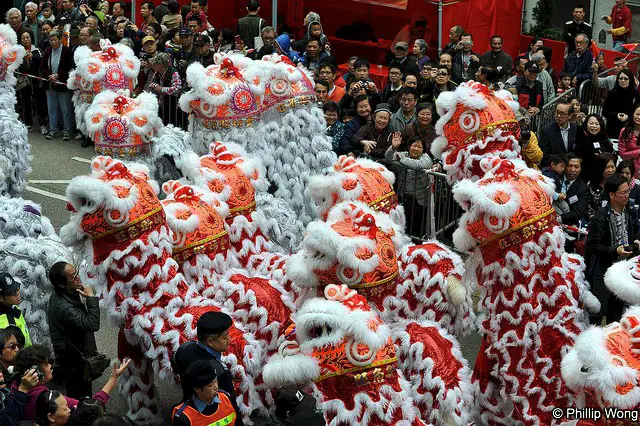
x: 584, y: 369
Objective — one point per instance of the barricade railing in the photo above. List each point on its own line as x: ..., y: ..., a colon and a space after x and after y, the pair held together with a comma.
x: 430, y: 210
x: 592, y: 96
x: 547, y: 113
x: 170, y: 112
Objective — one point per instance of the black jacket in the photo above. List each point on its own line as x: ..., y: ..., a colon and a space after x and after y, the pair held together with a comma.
x: 600, y: 249
x: 500, y: 60
x: 14, y: 410
x: 64, y: 68
x: 572, y: 29
x: 530, y: 96
x: 618, y: 101
x: 457, y: 67
x: 551, y: 142
x: 72, y: 324
x: 578, y: 199
x: 191, y: 351
x: 588, y: 146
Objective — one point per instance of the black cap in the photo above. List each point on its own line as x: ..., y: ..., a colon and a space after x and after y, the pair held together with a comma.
x: 8, y: 284
x: 202, y: 40
x: 202, y: 372
x: 532, y: 66
x: 290, y: 401
x: 213, y: 323
x: 185, y: 32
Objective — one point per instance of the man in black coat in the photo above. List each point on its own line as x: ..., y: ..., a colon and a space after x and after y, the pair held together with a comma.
x: 576, y: 26
x: 612, y: 229
x: 558, y: 137
x: 72, y: 325
x: 577, y: 192
x: 465, y: 61
x: 213, y: 338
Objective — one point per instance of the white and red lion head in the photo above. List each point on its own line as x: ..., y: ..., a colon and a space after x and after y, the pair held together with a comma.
x: 474, y: 123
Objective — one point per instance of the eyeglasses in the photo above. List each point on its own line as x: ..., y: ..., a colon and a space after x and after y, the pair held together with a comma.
x: 12, y: 346
x: 623, y: 78
x: 324, y: 72
x: 623, y: 192
x: 561, y: 113
x: 443, y: 74
x: 395, y: 73
x: 581, y: 42
x: 406, y: 100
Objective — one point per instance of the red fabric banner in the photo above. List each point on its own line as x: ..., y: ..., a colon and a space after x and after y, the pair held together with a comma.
x: 397, y: 4
x: 484, y: 18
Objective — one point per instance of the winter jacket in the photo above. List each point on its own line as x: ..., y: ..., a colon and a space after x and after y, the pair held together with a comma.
x: 13, y: 411
x: 370, y: 133
x: 346, y: 145
x: 587, y: 147
x: 64, y: 67
x: 618, y: 101
x: 301, y: 45
x: 629, y: 148
x: 284, y: 42
x: 30, y: 409
x: 72, y: 326
x: 250, y: 27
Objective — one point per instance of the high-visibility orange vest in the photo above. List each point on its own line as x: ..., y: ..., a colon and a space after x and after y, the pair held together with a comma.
x: 225, y: 415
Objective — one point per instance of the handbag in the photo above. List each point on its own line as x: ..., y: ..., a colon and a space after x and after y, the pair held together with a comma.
x: 23, y: 81
x: 92, y: 365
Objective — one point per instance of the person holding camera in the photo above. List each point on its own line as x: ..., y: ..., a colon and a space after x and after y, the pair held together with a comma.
x: 613, y: 235
x: 465, y: 62
x: 38, y: 358
x: 74, y: 317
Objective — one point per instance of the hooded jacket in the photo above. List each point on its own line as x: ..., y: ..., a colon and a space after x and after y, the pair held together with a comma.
x: 284, y: 43
x: 301, y: 45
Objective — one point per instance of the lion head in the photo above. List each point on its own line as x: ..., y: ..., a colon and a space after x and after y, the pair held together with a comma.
x: 355, y: 246
x: 475, y: 123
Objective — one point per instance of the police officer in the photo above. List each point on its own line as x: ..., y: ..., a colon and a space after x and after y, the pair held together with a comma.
x: 209, y: 405
x: 10, y: 313
x: 212, y: 330
x: 576, y: 26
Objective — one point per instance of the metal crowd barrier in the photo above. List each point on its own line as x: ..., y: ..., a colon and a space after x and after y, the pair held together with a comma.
x: 170, y: 111
x: 547, y: 113
x: 430, y: 210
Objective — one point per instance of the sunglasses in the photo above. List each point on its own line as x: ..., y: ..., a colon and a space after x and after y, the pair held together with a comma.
x: 13, y: 346
x: 443, y: 74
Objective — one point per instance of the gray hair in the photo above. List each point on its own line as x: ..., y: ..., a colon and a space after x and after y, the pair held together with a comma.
x: 127, y: 42
x: 537, y: 57
x: 12, y: 11
x: 423, y: 44
x: 31, y: 5
x: 586, y: 37
x: 267, y: 30
x: 95, y: 38
x: 54, y: 33
x: 160, y: 58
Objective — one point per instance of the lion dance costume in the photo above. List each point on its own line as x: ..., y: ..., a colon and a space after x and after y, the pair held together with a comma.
x: 532, y: 288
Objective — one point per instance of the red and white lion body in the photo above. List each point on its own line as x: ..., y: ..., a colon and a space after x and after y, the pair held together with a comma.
x: 533, y: 290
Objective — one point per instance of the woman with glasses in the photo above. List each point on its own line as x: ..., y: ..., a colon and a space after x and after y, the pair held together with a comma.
x: 10, y: 348
x: 619, y: 105
x: 52, y: 405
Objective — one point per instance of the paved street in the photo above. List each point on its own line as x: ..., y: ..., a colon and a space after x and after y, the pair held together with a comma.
x: 54, y: 164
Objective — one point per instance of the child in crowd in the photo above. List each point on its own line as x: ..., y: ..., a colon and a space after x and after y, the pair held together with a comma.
x: 556, y: 172
x: 564, y: 83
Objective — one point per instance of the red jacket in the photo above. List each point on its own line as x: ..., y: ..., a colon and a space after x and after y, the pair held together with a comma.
x: 620, y: 18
